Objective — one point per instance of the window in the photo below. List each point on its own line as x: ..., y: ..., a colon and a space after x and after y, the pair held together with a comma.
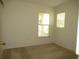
x: 43, y: 25
x: 77, y: 43
x: 60, y: 20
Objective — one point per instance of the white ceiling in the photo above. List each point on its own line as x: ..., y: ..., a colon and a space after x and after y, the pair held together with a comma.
x: 49, y: 3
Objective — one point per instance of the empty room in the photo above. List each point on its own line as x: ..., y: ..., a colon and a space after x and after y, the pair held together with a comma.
x: 39, y: 29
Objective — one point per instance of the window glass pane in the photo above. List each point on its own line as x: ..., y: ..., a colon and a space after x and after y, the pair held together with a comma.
x: 43, y: 30
x: 43, y: 18
x: 60, y: 20
x: 40, y: 18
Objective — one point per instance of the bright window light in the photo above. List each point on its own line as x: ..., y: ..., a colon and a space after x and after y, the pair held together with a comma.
x: 60, y: 20
x: 43, y: 26
x: 77, y: 45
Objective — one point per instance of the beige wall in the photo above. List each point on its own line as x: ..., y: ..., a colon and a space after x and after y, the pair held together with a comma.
x: 66, y: 36
x: 19, y: 24
x: 1, y: 7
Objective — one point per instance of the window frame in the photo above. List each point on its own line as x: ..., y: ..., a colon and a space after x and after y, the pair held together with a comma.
x: 39, y: 24
x: 59, y: 20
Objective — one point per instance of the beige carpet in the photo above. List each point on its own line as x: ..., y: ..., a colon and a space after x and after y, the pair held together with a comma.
x: 47, y: 51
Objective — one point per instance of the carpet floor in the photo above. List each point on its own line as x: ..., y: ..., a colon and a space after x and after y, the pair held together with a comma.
x: 46, y: 51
